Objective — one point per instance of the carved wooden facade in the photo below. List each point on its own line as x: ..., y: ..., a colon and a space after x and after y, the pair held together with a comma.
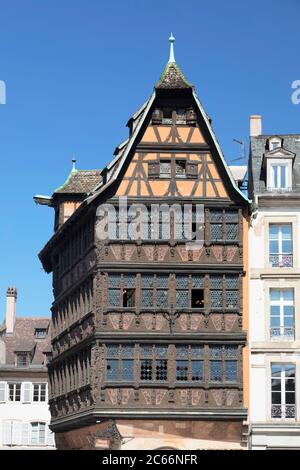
x: 154, y: 325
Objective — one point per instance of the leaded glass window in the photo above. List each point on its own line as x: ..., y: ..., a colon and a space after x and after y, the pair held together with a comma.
x: 162, y: 283
x: 147, y: 290
x: 182, y: 370
x: 129, y: 280
x: 161, y: 369
x: 223, y: 364
x: 224, y: 285
x: 224, y: 225
x: 114, y: 289
x: 231, y: 299
x: 182, y: 292
x: 121, y: 290
x: 198, y: 282
x: 189, y: 363
x: 119, y: 362
x: 189, y: 291
x: 146, y: 370
x: 216, y: 298
x: 154, y: 363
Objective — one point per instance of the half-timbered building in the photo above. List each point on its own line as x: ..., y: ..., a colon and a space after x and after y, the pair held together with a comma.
x: 149, y: 331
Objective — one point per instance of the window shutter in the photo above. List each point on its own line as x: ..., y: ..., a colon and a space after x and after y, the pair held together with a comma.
x: 17, y: 433
x: 7, y: 432
x: 153, y: 169
x: 50, y: 437
x: 2, y: 391
x: 26, y: 392
x: 191, y: 169
x: 25, y: 433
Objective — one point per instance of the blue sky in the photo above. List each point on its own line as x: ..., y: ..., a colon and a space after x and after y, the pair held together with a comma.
x: 75, y: 70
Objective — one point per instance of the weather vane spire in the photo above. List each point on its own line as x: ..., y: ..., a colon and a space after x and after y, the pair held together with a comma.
x: 172, y: 40
x: 74, y: 164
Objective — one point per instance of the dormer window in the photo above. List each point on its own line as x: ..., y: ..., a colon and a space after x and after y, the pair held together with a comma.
x: 274, y: 144
x: 279, y: 175
x: 40, y: 333
x: 22, y: 359
x: 279, y: 165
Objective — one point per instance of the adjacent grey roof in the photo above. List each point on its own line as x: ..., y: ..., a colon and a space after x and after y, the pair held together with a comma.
x: 258, y: 147
x: 23, y: 340
x: 80, y: 182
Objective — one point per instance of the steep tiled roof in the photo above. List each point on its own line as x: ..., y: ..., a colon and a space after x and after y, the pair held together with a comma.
x: 172, y: 78
x: 23, y: 340
x: 80, y: 182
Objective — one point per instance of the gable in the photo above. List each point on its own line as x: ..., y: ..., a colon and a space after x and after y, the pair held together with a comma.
x: 206, y: 183
x: 129, y: 175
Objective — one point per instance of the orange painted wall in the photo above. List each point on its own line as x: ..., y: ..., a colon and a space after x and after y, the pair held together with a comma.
x: 246, y: 357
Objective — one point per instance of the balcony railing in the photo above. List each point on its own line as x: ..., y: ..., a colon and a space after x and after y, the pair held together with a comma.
x: 281, y: 260
x: 282, y: 333
x: 279, y: 190
x: 283, y: 411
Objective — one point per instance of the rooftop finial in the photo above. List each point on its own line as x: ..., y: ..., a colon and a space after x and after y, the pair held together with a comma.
x: 172, y: 40
x: 74, y: 164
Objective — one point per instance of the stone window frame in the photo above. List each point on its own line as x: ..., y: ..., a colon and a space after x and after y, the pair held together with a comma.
x: 282, y: 284
x: 277, y: 358
x: 280, y: 219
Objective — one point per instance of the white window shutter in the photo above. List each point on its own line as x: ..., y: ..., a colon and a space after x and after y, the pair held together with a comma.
x: 25, y: 433
x: 50, y: 437
x: 2, y: 391
x: 26, y: 392
x: 7, y: 432
x: 17, y: 433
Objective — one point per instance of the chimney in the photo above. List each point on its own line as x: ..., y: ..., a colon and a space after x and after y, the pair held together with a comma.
x: 11, y: 302
x: 255, y: 125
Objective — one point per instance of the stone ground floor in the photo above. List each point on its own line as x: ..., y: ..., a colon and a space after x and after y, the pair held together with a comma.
x: 270, y: 436
x: 133, y: 434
